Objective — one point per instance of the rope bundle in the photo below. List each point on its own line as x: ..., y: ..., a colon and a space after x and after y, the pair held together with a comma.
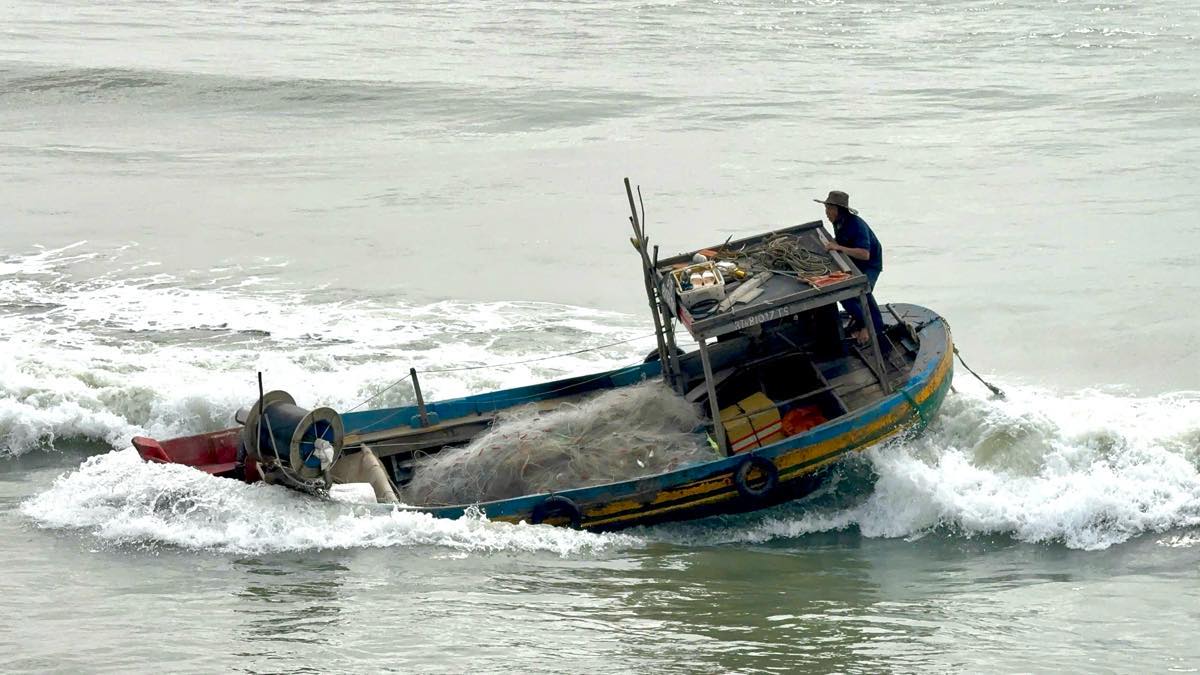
x: 782, y: 254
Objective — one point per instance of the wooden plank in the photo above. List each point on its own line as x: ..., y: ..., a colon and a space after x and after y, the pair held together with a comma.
x: 848, y: 388
x: 837, y: 367
x: 837, y: 257
x: 853, y: 379
x: 387, y: 447
x: 701, y: 389
x: 830, y: 388
x: 771, y: 309
x: 407, y: 432
x: 877, y: 363
x: 865, y: 380
x: 865, y: 396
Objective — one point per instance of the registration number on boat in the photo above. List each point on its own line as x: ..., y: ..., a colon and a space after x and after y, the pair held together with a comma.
x: 758, y: 318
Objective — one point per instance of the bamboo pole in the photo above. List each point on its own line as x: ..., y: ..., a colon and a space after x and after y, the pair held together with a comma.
x: 639, y: 242
x: 668, y: 323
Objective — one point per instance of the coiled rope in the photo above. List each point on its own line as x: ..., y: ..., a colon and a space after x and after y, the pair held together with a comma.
x: 784, y: 253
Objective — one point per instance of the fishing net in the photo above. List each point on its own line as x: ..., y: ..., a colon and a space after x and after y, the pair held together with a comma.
x: 617, y: 435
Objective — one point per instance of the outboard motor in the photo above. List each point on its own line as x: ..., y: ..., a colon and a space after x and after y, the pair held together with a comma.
x: 293, y: 446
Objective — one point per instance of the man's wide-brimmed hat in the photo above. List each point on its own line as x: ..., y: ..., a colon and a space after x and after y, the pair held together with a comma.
x: 837, y: 198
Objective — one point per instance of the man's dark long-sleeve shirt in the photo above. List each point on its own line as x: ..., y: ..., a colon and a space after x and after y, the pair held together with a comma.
x: 853, y: 232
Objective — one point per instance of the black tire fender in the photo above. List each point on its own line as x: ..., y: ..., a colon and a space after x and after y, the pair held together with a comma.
x: 557, y: 505
x: 741, y: 478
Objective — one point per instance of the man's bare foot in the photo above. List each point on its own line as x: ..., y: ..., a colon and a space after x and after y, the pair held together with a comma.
x: 862, y: 337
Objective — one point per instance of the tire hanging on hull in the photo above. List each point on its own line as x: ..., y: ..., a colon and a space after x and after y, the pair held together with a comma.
x: 741, y: 478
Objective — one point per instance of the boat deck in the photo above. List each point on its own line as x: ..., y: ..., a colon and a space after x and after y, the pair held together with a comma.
x: 782, y: 295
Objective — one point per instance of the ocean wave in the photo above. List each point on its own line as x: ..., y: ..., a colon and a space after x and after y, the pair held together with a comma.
x: 1087, y: 470
x: 432, y: 106
x: 123, y: 501
x: 106, y: 357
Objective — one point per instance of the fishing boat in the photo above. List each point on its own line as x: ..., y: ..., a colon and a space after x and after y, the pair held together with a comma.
x: 785, y: 391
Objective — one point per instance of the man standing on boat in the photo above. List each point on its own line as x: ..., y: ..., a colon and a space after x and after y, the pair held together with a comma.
x: 853, y: 237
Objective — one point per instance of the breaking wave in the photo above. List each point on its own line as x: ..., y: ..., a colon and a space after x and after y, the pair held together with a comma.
x: 122, y: 500
x: 1087, y: 470
x: 114, y: 355
x: 102, y: 358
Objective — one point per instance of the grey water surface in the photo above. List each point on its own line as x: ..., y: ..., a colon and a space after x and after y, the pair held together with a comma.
x: 332, y: 192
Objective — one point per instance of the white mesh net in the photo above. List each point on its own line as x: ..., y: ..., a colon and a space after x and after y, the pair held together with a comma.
x: 617, y: 435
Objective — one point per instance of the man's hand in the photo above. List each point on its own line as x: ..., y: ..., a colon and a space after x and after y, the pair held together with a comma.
x: 832, y: 246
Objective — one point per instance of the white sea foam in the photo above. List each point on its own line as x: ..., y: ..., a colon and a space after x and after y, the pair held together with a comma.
x: 1087, y: 470
x: 1180, y: 540
x: 46, y: 261
x: 122, y: 500
x: 113, y: 356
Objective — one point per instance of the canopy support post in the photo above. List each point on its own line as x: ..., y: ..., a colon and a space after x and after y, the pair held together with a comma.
x: 713, y: 406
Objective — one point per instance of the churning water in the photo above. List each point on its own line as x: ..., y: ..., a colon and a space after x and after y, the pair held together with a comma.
x: 332, y: 193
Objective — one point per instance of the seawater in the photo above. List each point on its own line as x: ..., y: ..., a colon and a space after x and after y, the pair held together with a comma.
x: 332, y: 193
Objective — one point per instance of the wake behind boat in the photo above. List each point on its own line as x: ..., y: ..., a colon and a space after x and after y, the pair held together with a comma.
x: 773, y: 393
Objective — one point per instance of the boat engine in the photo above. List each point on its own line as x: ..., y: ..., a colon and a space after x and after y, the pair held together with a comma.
x: 293, y: 446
